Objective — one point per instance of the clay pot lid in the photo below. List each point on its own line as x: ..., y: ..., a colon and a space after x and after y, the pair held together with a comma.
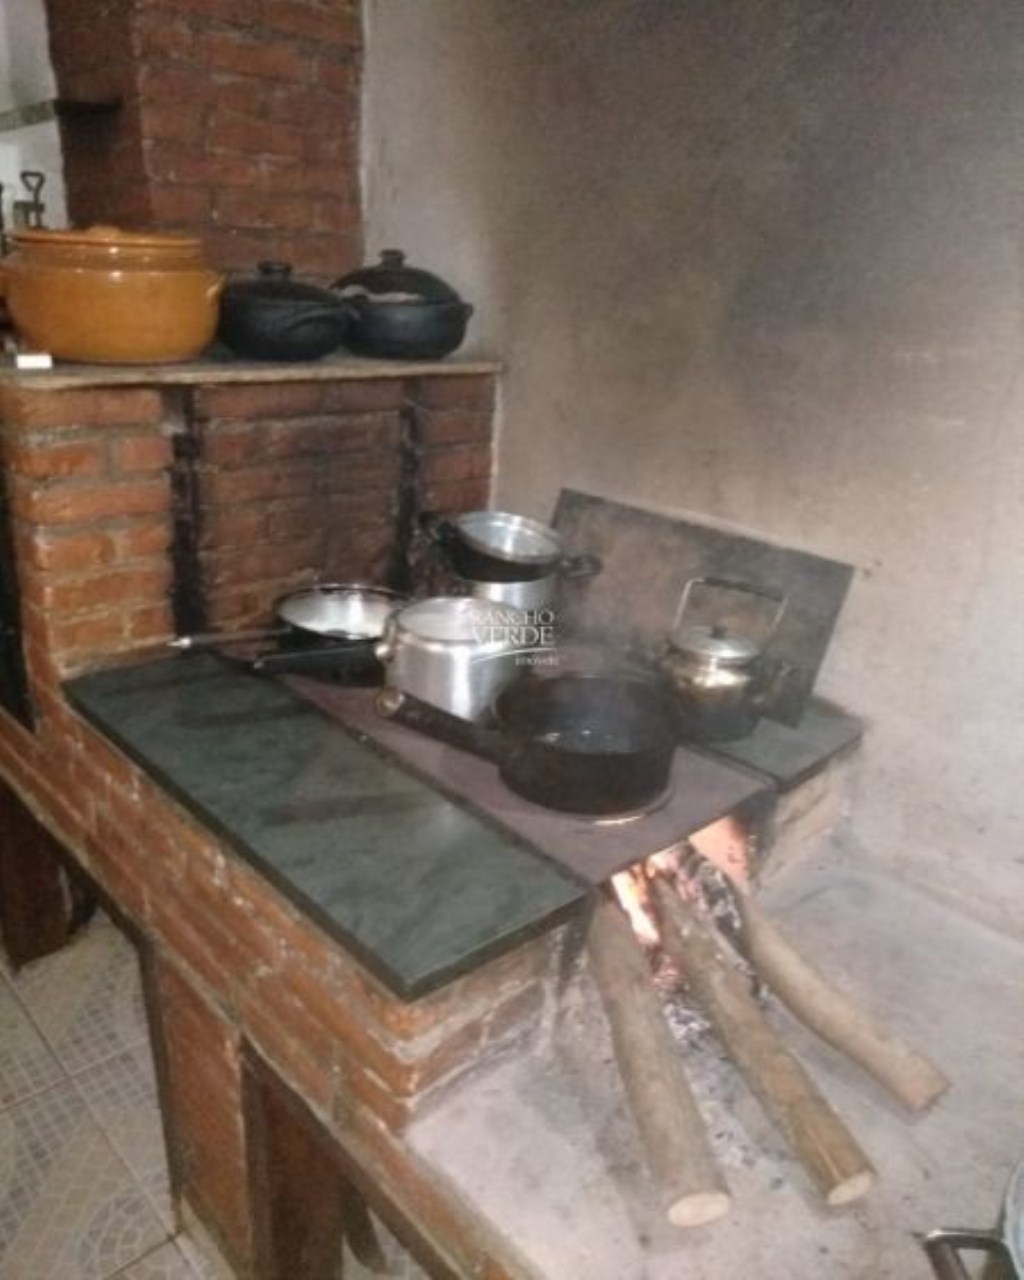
x: 108, y: 237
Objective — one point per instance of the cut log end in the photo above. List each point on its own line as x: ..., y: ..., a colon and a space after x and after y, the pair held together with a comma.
x: 696, y: 1210
x: 910, y: 1077
x: 859, y: 1184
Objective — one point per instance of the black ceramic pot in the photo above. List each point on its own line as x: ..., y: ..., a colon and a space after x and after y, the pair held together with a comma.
x: 402, y: 313
x: 273, y: 317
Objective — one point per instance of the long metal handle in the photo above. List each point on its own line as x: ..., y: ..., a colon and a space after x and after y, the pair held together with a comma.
x: 442, y: 725
x: 731, y: 584
x: 218, y: 639
x: 943, y: 1250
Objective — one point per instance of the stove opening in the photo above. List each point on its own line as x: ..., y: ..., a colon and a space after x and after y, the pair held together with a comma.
x: 707, y: 869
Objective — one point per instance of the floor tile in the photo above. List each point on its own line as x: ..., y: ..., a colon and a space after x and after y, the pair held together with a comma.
x: 26, y: 1064
x: 87, y: 999
x: 165, y: 1263
x: 203, y: 1255
x: 121, y: 1094
x: 69, y: 1207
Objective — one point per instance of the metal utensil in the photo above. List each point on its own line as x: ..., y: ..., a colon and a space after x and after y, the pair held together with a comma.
x: 1004, y: 1246
x: 721, y: 678
x: 28, y: 214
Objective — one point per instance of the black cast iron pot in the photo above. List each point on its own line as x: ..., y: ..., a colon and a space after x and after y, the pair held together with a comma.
x: 578, y: 743
x: 273, y: 317
x: 402, y: 313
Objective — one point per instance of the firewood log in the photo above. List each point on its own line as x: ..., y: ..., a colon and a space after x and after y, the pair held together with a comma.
x: 816, y: 1135
x: 837, y: 1019
x: 669, y: 1123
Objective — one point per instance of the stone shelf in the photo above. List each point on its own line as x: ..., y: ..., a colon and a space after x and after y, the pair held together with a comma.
x: 212, y: 371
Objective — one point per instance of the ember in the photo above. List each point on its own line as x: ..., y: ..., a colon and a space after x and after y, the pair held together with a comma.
x: 703, y: 869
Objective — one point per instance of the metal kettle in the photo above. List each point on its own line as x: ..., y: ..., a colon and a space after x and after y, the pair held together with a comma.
x: 721, y: 678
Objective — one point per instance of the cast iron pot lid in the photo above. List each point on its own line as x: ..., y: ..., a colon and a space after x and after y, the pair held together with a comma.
x: 392, y: 280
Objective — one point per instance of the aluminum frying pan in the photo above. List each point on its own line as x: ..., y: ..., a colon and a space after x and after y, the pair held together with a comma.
x: 346, y: 612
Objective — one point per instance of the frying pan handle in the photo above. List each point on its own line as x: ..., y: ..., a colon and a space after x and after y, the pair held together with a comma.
x: 943, y: 1250
x: 218, y: 639
x: 442, y: 725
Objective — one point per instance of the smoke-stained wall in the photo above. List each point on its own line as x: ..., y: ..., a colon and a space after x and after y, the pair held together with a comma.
x: 761, y: 263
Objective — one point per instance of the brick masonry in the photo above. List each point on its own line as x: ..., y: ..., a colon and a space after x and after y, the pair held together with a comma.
x: 238, y: 121
x: 236, y: 963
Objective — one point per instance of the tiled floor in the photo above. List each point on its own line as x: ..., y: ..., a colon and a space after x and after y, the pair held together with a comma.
x: 83, y: 1177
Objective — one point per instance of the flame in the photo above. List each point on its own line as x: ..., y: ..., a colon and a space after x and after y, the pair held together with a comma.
x: 631, y: 890
x: 724, y: 843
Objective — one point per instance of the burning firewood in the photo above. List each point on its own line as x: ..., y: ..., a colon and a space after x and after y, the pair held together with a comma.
x: 669, y: 1122
x: 819, y: 1139
x: 837, y: 1019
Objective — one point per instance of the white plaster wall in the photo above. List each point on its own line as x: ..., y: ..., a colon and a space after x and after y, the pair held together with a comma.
x: 26, y: 78
x: 26, y: 75
x: 761, y: 263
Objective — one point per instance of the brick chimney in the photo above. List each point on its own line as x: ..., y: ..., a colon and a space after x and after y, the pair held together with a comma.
x: 237, y: 120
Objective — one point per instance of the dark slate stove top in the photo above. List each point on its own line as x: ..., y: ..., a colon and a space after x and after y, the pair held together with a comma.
x: 702, y: 789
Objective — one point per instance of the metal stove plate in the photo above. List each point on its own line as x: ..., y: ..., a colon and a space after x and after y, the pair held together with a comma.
x: 701, y: 790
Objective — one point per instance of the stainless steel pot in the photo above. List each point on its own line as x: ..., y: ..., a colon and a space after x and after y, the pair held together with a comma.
x: 534, y: 593
x: 1005, y: 1246
x: 721, y: 678
x: 447, y: 652
x: 499, y: 546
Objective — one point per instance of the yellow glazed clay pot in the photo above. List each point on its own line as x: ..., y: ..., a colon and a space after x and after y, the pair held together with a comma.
x: 104, y: 296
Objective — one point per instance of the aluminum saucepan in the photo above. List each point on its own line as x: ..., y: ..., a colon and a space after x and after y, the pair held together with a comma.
x: 584, y: 744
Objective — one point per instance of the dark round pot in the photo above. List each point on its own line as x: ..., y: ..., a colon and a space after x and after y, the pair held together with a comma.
x: 401, y: 312
x: 407, y: 330
x: 274, y: 317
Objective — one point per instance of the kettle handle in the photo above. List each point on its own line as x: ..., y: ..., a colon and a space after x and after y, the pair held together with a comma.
x: 732, y: 584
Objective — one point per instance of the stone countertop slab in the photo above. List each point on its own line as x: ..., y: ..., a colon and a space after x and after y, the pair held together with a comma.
x: 417, y: 888
x: 788, y: 755
x: 219, y: 369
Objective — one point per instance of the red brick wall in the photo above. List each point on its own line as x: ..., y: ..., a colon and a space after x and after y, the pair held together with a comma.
x: 301, y: 481
x: 236, y: 964
x: 90, y: 503
x: 296, y: 481
x: 239, y: 121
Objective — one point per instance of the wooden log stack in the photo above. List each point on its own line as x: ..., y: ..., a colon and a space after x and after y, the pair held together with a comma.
x: 668, y: 1119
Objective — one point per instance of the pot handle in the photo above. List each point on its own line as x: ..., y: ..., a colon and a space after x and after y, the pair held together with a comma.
x: 943, y: 1250
x: 465, y: 735
x: 732, y: 584
x: 438, y: 530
